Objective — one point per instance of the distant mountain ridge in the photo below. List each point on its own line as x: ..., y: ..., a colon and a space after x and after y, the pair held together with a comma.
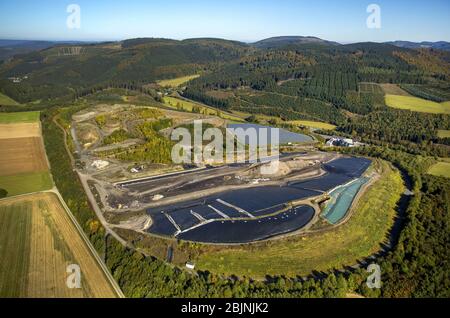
x: 440, y: 45
x: 280, y: 41
x: 9, y: 48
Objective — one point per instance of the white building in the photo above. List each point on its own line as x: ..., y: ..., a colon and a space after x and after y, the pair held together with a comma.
x: 340, y: 142
x: 190, y: 265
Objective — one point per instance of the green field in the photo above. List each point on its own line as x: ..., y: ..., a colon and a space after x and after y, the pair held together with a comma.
x: 176, y: 82
x: 189, y: 106
x: 6, y: 101
x: 358, y: 238
x: 312, y: 124
x: 22, y: 117
x: 441, y: 169
x: 443, y: 133
x: 26, y: 183
x: 417, y: 104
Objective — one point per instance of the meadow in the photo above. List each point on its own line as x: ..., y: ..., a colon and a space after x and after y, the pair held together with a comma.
x: 176, y: 82
x: 22, y: 117
x: 440, y: 169
x: 312, y: 124
x: 443, y: 133
x: 7, y: 101
x: 360, y: 237
x: 417, y: 104
x: 26, y: 182
x: 185, y: 105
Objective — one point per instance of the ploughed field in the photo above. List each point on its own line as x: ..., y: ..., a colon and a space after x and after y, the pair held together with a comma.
x: 252, y: 214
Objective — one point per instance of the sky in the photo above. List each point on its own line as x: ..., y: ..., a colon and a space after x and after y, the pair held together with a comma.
x: 344, y: 21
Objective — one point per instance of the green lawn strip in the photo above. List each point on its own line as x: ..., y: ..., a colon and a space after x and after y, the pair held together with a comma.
x: 19, y: 117
x: 26, y: 183
x: 358, y: 238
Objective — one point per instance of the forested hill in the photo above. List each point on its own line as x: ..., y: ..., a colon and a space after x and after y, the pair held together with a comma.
x: 67, y: 69
x: 283, y: 41
x: 440, y: 45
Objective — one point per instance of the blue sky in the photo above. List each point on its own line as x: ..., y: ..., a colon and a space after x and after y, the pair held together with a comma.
x: 245, y: 20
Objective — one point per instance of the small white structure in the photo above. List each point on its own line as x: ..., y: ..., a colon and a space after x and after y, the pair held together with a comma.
x: 100, y: 164
x: 190, y: 265
x: 157, y: 197
x: 348, y: 142
x: 340, y: 142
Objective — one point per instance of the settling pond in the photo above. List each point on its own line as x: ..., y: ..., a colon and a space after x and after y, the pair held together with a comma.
x: 341, y: 200
x: 246, y: 215
x: 285, y: 136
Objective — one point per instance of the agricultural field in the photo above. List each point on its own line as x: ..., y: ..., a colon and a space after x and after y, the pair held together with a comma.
x: 19, y: 130
x: 176, y: 82
x: 417, y: 104
x: 372, y: 218
x: 22, y: 117
x: 23, y: 164
x: 443, y: 133
x: 20, y: 155
x: 440, y: 169
x: 26, y: 182
x: 7, y: 101
x: 37, y: 245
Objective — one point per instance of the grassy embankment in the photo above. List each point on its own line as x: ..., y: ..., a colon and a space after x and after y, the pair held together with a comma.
x: 358, y: 238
